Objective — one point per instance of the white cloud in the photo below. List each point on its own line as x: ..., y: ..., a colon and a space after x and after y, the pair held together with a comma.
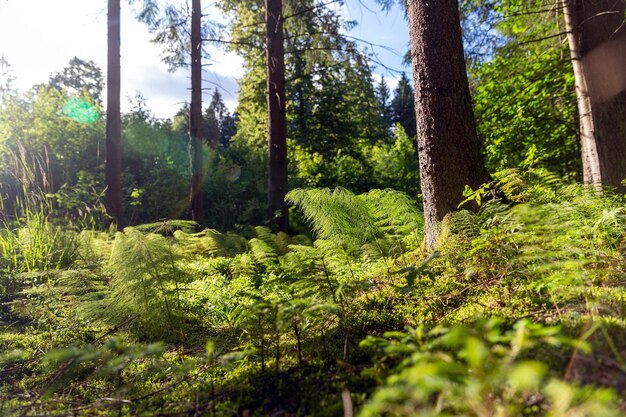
x: 39, y: 37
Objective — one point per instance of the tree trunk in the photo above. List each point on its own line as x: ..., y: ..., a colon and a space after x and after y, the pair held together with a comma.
x: 113, y: 165
x: 277, y: 121
x: 597, y: 42
x: 588, y: 145
x: 448, y: 146
x: 195, y: 117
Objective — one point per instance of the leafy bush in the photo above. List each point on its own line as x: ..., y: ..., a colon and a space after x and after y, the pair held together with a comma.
x: 478, y: 371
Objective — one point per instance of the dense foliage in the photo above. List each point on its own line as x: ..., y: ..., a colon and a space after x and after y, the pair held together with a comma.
x: 353, y: 316
x: 523, y: 86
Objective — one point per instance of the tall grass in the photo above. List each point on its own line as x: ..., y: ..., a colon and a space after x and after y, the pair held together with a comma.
x: 29, y: 241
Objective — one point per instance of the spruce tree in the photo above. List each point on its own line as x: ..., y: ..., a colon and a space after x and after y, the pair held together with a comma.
x: 277, y: 209
x: 383, y: 95
x: 448, y: 145
x: 215, y: 114
x: 228, y: 129
x: 195, y: 117
x: 403, y: 106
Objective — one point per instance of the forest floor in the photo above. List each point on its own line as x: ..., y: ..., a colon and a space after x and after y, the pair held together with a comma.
x: 518, y: 312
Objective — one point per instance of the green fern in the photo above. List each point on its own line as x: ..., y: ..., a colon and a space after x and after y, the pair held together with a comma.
x: 512, y: 183
x: 264, y: 254
x: 144, y: 288
x: 379, y: 222
x: 525, y: 259
x: 168, y: 227
x: 338, y: 216
x: 210, y: 243
x: 398, y: 216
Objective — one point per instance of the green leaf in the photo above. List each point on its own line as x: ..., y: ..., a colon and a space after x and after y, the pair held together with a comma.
x: 209, y: 349
x: 527, y: 375
x: 475, y: 352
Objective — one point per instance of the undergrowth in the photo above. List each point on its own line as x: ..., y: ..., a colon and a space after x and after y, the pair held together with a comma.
x: 507, y: 317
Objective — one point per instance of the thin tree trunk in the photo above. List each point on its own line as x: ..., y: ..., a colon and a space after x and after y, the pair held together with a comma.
x: 277, y: 121
x: 195, y: 117
x: 447, y: 141
x: 113, y: 165
x: 597, y: 40
x: 589, y: 150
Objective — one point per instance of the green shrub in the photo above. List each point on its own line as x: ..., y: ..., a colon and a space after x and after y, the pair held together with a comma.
x: 478, y: 371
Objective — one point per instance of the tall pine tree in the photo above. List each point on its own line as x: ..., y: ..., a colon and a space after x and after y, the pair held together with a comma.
x: 113, y: 165
x: 277, y: 209
x: 403, y: 106
x: 181, y: 31
x: 195, y: 117
x: 383, y: 95
x: 448, y: 145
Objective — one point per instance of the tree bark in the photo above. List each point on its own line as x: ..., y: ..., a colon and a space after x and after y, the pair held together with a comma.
x: 589, y: 151
x: 195, y: 117
x: 597, y: 41
x: 113, y: 165
x: 448, y: 146
x: 277, y: 121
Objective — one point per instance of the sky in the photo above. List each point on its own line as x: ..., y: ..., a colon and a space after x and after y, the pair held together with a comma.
x: 39, y: 37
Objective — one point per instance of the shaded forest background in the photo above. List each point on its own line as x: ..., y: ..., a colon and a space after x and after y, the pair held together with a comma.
x: 341, y: 123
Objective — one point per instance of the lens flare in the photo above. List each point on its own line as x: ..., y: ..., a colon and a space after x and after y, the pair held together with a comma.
x: 80, y: 110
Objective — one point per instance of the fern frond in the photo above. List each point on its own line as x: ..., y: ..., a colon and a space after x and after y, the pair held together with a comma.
x: 93, y: 248
x: 283, y: 241
x: 209, y: 242
x: 302, y: 261
x: 462, y: 222
x: 266, y: 235
x: 376, y: 224
x: 168, y: 226
x: 244, y: 265
x: 546, y: 178
x: 263, y: 253
x: 512, y: 183
x: 397, y: 215
x: 144, y: 287
x: 337, y: 216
